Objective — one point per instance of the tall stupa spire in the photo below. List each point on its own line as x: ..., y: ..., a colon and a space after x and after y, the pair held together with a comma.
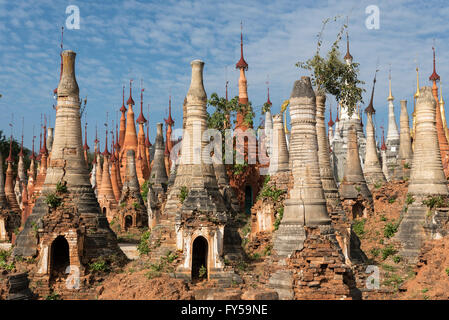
x: 347, y: 57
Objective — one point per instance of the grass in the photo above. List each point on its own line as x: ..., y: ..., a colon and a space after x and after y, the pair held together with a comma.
x: 392, y: 199
x: 388, y: 251
x: 435, y: 202
x: 359, y: 227
x: 375, y: 252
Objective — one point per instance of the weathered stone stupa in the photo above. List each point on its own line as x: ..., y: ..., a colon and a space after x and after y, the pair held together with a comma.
x: 106, y: 196
x: 305, y: 238
x: 132, y: 212
x: 279, y: 155
x: 405, y: 154
x: 66, y: 226
x: 355, y: 196
x: 195, y: 213
x: 372, y: 169
x: 326, y: 173
x: 158, y: 177
x: 426, y: 177
x: 307, y: 204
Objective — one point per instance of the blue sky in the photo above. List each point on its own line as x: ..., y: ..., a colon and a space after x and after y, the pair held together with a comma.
x: 155, y: 42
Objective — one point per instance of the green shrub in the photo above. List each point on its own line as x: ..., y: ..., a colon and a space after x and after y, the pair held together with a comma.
x: 359, y: 227
x: 392, y: 199
x: 406, y: 166
x: 409, y: 199
x: 279, y: 217
x: 61, y: 187
x: 447, y: 271
x: 144, y: 246
x: 267, y: 250
x: 202, y: 272
x: 435, y: 202
x: 145, y: 189
x: 375, y: 252
x: 136, y: 205
x: 99, y: 266
x: 390, y: 229
x: 388, y: 251
x: 183, y: 194
x: 397, y: 259
x: 378, y: 185
x: 53, y: 296
x: 270, y: 192
x: 239, y: 168
x: 383, y: 218
x: 53, y: 201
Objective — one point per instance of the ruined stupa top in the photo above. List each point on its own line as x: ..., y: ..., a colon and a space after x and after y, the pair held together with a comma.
x: 141, y: 119
x: 370, y: 108
x: 123, y: 108
x: 68, y: 85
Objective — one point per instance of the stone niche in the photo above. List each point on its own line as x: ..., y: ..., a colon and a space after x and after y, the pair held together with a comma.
x: 9, y: 222
x: 202, y: 246
x: 58, y: 251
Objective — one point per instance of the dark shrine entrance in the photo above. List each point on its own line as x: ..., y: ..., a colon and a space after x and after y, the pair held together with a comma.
x: 357, y: 210
x: 248, y: 199
x: 60, y: 258
x: 128, y: 222
x: 199, y: 258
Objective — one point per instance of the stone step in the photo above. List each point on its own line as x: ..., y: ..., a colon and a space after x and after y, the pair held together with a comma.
x: 130, y: 250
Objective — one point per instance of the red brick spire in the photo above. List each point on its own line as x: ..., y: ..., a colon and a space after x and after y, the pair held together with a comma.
x: 169, y: 121
x: 21, y: 147
x: 268, y: 96
x: 370, y: 108
x: 434, y: 76
x: 113, y: 158
x: 10, y: 157
x: 130, y: 99
x: 241, y: 64
x: 44, y: 149
x: 383, y: 147
x: 331, y: 122
x: 141, y: 119
x: 85, y: 147
x: 106, y: 152
x: 33, y: 156
x: 123, y: 108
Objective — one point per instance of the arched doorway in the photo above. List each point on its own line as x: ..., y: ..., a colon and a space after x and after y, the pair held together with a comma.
x: 104, y: 210
x: 357, y: 210
x: 248, y: 199
x: 128, y: 222
x: 60, y: 258
x: 199, y: 258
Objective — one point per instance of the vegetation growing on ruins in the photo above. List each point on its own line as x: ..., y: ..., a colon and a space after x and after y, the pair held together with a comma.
x: 53, y: 201
x: 330, y: 74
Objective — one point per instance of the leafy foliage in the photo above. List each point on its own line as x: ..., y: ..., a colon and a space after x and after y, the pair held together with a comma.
x: 53, y: 201
x: 359, y: 227
x: 435, y: 202
x: 330, y: 74
x: 145, y: 189
x: 144, y: 246
x: 390, y: 229
x: 183, y: 193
